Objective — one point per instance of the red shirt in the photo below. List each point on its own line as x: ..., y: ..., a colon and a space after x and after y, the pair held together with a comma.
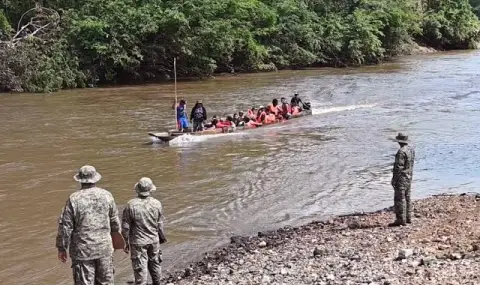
x: 222, y: 124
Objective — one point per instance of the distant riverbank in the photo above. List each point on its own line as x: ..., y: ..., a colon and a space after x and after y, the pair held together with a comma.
x: 442, y: 246
x: 65, y: 45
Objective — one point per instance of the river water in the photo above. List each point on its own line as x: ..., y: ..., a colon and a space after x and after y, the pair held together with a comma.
x: 337, y: 161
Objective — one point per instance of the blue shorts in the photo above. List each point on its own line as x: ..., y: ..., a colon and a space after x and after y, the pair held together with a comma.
x: 182, y: 123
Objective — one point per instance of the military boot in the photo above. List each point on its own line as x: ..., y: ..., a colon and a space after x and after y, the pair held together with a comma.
x: 397, y: 224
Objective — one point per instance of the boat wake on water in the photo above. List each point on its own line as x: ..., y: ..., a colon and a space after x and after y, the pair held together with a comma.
x: 188, y: 139
x: 318, y: 110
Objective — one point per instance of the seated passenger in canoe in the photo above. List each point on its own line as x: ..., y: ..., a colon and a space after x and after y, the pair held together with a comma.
x: 228, y: 122
x: 219, y: 123
x: 286, y: 108
x: 250, y: 123
x: 273, y: 107
x: 261, y: 115
x: 252, y: 113
x: 241, y: 115
x: 238, y: 119
x: 270, y: 117
x: 296, y: 110
x: 212, y: 124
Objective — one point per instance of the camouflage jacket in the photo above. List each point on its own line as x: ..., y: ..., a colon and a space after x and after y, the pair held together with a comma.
x: 86, y: 222
x: 403, y: 167
x: 142, y: 221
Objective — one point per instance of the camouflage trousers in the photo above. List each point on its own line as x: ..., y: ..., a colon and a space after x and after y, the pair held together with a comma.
x: 145, y: 259
x: 93, y: 272
x: 402, y: 203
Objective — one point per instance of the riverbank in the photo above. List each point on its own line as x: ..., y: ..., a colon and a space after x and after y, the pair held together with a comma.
x: 410, y: 49
x: 442, y: 246
x: 105, y: 42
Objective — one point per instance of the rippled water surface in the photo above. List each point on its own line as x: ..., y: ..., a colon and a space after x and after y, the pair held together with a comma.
x: 334, y: 162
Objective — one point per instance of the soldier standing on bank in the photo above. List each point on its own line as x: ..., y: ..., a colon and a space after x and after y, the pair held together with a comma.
x: 85, y: 226
x: 402, y: 181
x: 142, y: 228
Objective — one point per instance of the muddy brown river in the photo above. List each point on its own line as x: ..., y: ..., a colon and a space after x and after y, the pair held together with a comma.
x: 336, y: 161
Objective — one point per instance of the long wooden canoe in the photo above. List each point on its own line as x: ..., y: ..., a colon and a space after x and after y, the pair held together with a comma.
x: 170, y: 135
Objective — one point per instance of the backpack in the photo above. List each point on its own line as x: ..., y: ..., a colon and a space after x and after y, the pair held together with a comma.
x: 198, y: 114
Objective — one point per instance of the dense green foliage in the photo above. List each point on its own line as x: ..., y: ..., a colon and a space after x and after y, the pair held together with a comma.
x: 476, y: 6
x: 448, y: 24
x: 124, y: 41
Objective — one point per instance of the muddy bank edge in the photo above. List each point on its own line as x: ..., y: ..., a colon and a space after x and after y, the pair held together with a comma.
x: 221, y: 265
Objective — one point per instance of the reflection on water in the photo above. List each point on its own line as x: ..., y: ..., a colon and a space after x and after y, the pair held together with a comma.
x: 334, y: 162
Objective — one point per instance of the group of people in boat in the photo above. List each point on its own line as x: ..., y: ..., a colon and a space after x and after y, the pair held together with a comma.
x: 274, y: 112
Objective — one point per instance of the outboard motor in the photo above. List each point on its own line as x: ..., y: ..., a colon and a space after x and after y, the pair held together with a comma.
x: 307, y: 106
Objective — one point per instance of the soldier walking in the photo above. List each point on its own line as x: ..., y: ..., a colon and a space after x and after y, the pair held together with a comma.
x: 402, y: 181
x: 142, y: 228
x: 84, y: 227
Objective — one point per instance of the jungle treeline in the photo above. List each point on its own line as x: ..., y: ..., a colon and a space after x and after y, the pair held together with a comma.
x: 53, y: 44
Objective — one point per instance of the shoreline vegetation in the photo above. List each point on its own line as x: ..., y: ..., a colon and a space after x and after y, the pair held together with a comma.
x: 441, y: 246
x: 63, y: 44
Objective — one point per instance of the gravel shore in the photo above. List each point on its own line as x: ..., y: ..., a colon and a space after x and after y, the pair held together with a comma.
x: 441, y: 246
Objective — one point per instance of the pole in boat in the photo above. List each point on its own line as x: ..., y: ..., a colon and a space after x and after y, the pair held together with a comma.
x: 175, y: 76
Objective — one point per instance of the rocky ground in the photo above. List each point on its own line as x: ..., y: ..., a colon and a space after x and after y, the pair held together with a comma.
x: 442, y: 246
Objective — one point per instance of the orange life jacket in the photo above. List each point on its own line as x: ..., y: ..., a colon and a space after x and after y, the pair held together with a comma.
x: 295, y: 110
x: 286, y: 109
x: 270, y: 118
x: 273, y: 109
x: 261, y: 117
x: 222, y: 124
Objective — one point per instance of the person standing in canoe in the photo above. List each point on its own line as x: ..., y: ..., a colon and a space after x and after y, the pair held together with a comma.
x: 182, y: 119
x: 84, y: 228
x: 198, y: 116
x: 295, y: 102
x: 142, y: 227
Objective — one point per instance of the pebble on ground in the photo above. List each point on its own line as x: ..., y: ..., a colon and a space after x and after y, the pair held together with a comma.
x: 441, y: 246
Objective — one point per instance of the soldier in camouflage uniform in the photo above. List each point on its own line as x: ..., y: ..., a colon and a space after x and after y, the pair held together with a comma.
x: 84, y: 227
x: 402, y: 181
x: 142, y: 228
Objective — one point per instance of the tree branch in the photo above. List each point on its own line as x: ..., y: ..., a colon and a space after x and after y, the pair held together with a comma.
x: 43, y: 21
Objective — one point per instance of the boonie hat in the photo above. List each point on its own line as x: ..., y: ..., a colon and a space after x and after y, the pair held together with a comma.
x: 401, y: 138
x: 145, y: 186
x: 87, y: 174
